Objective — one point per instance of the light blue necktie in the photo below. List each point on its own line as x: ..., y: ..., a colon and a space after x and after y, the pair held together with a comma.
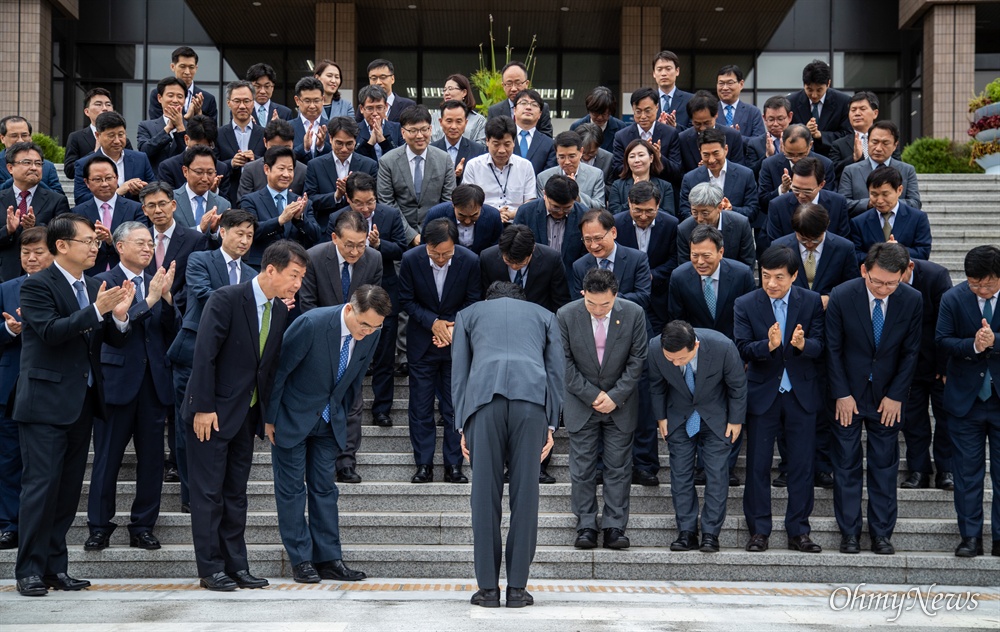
x: 524, y: 144
x: 279, y: 201
x: 345, y: 354
x: 199, y: 210
x: 729, y: 115
x: 710, y: 296
x: 378, y: 152
x: 780, y: 308
x: 84, y: 302
x: 345, y: 282
x: 665, y: 103
x: 453, y: 152
x: 137, y: 282
x: 605, y: 264
x: 986, y: 390
x: 233, y: 276
x: 694, y: 421
x: 261, y: 115
x: 878, y: 321
x: 418, y: 175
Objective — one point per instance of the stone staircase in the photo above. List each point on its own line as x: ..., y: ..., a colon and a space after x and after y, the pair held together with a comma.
x: 964, y: 212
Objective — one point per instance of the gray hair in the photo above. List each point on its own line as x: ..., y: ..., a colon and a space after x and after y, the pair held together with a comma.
x: 232, y: 86
x: 706, y: 194
x: 125, y: 229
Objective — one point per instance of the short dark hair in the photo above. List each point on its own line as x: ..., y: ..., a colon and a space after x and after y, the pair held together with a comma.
x: 371, y: 297
x: 162, y: 84
x: 590, y: 134
x: 865, y: 95
x: 95, y: 92
x: 273, y: 153
x: 466, y: 194
x: 568, y: 139
x: 678, y: 335
x: 885, y: 175
x: 18, y: 148
x: 505, y: 289
x: 359, y: 181
x: 600, y: 215
x: 381, y: 63
x: 371, y: 92
x: 33, y: 235
x: 644, y: 191
x: 453, y: 104
x: 514, y: 64
x: 888, y: 126
x: 500, y: 126
x: 531, y: 94
x: 600, y: 100
x: 156, y: 186
x: 194, y: 151
x: 797, y: 131
x: 778, y: 102
x: 183, y: 51
x: 97, y: 159
x: 259, y: 70
x: 237, y: 217
x: 667, y: 55
x: 810, y: 220
x: 776, y: 257
x: 703, y: 100
x: 308, y: 83
x: 239, y: 84
x: 63, y: 228
x: 13, y: 118
x: 711, y: 135
x: 817, y: 71
x: 982, y: 262
x: 598, y: 281
x: 891, y: 256
x: 414, y: 114
x: 643, y: 93
x: 561, y: 190
x: 704, y: 232
x: 202, y: 128
x: 350, y: 219
x: 810, y: 166
x: 437, y: 231
x: 279, y: 129
x: 109, y: 120
x: 282, y: 253
x: 345, y: 124
x: 517, y: 242
x: 731, y: 69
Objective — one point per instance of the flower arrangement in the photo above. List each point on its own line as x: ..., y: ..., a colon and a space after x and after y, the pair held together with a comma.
x: 488, y: 81
x: 985, y: 128
x: 985, y: 123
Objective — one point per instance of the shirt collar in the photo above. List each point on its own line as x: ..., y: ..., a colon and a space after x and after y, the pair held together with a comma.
x: 714, y: 275
x: 306, y: 122
x: 410, y: 155
x: 346, y: 163
x: 343, y: 327
x: 670, y: 94
x: 69, y: 277
x: 236, y: 126
x: 111, y: 202
x: 722, y: 173
x: 611, y: 257
x: 258, y: 294
x: 192, y: 195
x: 128, y: 273
x: 275, y: 192
x: 804, y: 252
x: 226, y: 258
x: 169, y: 232
x: 650, y: 227
x: 340, y: 259
x: 874, y: 164
x: 872, y: 297
x: 781, y: 299
x: 435, y: 266
x: 17, y: 193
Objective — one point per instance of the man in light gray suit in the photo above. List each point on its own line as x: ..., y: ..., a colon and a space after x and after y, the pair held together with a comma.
x: 699, y: 391
x: 197, y: 205
x: 883, y: 138
x: 602, y: 374
x: 278, y: 133
x: 569, y: 155
x: 507, y: 401
x: 415, y: 177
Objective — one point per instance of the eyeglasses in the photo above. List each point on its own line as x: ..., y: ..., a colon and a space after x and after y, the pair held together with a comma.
x: 593, y: 240
x: 525, y: 103
x: 886, y: 284
x: 89, y: 243
x: 798, y: 191
x: 374, y: 78
x: 241, y: 101
x: 643, y: 212
x: 727, y: 84
x: 809, y: 242
x: 369, y: 327
x: 203, y: 172
x: 152, y: 206
x: 450, y: 89
x: 263, y: 87
x: 142, y: 244
x: 310, y: 101
x: 515, y: 83
x: 29, y: 163
x: 341, y: 144
x: 983, y: 284
x: 107, y: 180
x: 644, y: 111
x: 418, y: 131
x: 348, y: 246
x: 373, y: 109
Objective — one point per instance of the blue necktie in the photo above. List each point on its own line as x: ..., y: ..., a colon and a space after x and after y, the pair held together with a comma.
x: 519, y: 278
x: 137, y: 282
x: 524, y: 144
x: 345, y: 354
x: 453, y: 152
x: 986, y: 390
x: 199, y: 210
x: 815, y: 112
x: 345, y: 282
x: 665, y: 103
x: 729, y: 115
x: 279, y: 201
x: 81, y: 294
x: 779, y: 315
x: 605, y: 264
x: 710, y: 296
x: 694, y: 421
x: 878, y: 321
x: 418, y: 175
x: 233, y: 276
x: 261, y: 115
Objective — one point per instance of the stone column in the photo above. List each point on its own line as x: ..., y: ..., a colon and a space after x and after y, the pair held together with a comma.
x: 26, y: 71
x: 949, y: 70
x: 336, y: 39
x: 640, y: 42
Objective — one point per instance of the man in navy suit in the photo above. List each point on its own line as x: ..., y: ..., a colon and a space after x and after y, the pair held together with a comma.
x: 228, y: 398
x: 518, y: 259
x: 35, y: 257
x: 529, y: 143
x: 647, y: 127
x: 888, y: 219
x: 276, y: 133
x: 777, y: 117
x: 873, y: 342
x: 137, y: 392
x: 201, y: 132
x: 326, y: 176
x: 83, y: 141
x: 671, y: 101
x: 307, y: 425
x: 184, y: 65
x: 744, y: 117
x: 703, y: 110
x: 601, y: 105
x: 630, y: 266
x: 554, y: 220
x: 262, y: 79
x: 737, y: 182
x: 967, y: 331
x: 280, y: 213
x: 710, y: 207
x: 779, y: 332
x: 479, y: 225
x: 310, y: 125
x: 132, y: 167
x: 16, y: 129
x: 436, y: 280
x: 106, y: 208
x: 454, y: 118
x: 378, y: 136
x: 162, y: 137
x: 514, y: 76
x: 776, y: 172
x: 819, y: 107
x: 808, y: 182
x: 381, y: 73
x: 241, y: 141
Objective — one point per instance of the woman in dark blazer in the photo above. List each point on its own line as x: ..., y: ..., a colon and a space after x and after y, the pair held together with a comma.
x: 329, y: 73
x: 640, y: 160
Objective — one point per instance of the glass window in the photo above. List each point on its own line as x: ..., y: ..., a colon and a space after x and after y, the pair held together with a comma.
x: 133, y: 108
x: 783, y: 71
x: 159, y: 63
x: 404, y: 64
x: 707, y: 68
x: 582, y: 72
x: 871, y: 72
x: 439, y: 64
x: 107, y: 62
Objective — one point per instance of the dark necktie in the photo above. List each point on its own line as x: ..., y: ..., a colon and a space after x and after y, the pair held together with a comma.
x: 815, y: 111
x: 519, y: 278
x: 22, y: 206
x: 694, y: 421
x: 137, y: 282
x: 345, y: 282
x: 986, y: 389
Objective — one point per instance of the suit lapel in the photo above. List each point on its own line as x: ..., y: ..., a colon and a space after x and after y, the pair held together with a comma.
x: 333, y: 339
x: 449, y: 279
x: 723, y: 290
x: 791, y: 318
x: 704, y: 368
x: 873, y: 227
x: 333, y: 266
x: 250, y: 311
x: 220, y: 265
x: 614, y: 331
x: 424, y: 270
x: 864, y: 317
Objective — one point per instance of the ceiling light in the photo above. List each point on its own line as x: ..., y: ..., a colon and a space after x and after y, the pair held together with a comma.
x: 719, y: 8
x: 411, y: 6
x: 564, y: 8
x: 704, y: 39
x: 274, y: 35
x: 256, y: 4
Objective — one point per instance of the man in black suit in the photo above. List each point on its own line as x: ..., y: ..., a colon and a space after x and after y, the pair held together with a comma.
x: 201, y: 132
x: 515, y: 80
x: 326, y: 176
x: 381, y: 73
x: 162, y: 137
x: 775, y: 178
x: 378, y: 136
x: 479, y: 225
x: 184, y: 65
x: 228, y: 395
x: 454, y: 117
x: 67, y: 316
x: 106, y: 208
x: 601, y: 106
x: 852, y: 148
x: 672, y: 101
x: 537, y: 148
x: 777, y: 117
x: 555, y: 220
x: 262, y: 78
x: 819, y: 107
x: 536, y: 268
x: 84, y: 141
x: 708, y: 204
x: 277, y: 133
x: 703, y: 109
x: 808, y: 182
x: 663, y: 137
x: 873, y: 342
x: 241, y: 141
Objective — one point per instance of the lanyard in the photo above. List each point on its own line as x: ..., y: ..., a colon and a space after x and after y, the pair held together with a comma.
x: 503, y: 187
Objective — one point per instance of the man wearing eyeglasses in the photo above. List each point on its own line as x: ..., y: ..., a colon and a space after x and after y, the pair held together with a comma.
x: 326, y: 176
x: 808, y: 179
x: 242, y: 140
x: 198, y: 206
x: 873, y: 329
x: 515, y: 79
x: 889, y: 218
x: 378, y: 136
x: 262, y: 79
x: 744, y: 117
x: 338, y: 268
x: 107, y: 208
x: 381, y: 73
x: 203, y: 131
x: 310, y: 124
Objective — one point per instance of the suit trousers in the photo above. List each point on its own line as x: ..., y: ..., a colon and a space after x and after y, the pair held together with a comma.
x: 646, y: 444
x: 715, y: 451
x: 55, y: 459
x: 969, y: 435
x: 617, y: 457
x: 821, y: 456
x: 917, y: 430
x: 429, y: 375
x: 10, y: 473
x: 734, y: 455
x: 514, y: 431
x: 799, y: 427
x: 348, y: 457
x: 218, y: 471
x: 140, y: 421
x: 181, y: 373
x: 383, y: 366
x: 304, y: 473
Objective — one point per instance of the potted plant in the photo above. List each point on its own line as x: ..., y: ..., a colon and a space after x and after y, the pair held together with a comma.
x: 488, y: 81
x: 985, y: 127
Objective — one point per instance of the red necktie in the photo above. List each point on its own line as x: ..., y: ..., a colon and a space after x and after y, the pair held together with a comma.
x: 22, y: 206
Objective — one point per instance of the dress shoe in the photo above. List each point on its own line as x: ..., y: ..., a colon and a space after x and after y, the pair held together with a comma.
x: 850, y: 544
x: 615, y: 538
x: 62, y: 581
x: 336, y: 569
x: 486, y: 598
x: 686, y: 541
x: 699, y: 477
x: 969, y: 547
x: 506, y: 476
x: 916, y: 480
x: 32, y: 587
x: 586, y: 539
x: 757, y: 543
x: 424, y: 474
x: 170, y: 475
x: 803, y: 544
x: 545, y: 478
x: 99, y: 539
x: 823, y: 479
x: 403, y: 370
x: 348, y: 475
x: 382, y: 420
x: 305, y: 573
x: 644, y: 478
x: 219, y: 582
x: 518, y: 598
x: 185, y: 508
x: 369, y: 372
x: 599, y: 477
x: 781, y: 480
x: 145, y: 540
x: 882, y: 546
x: 453, y: 474
x: 996, y: 548
x: 734, y: 481
x: 8, y: 540
x: 244, y: 579
x: 945, y: 481
x: 709, y: 543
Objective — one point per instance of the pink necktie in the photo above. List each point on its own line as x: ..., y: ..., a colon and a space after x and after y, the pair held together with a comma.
x: 600, y: 339
x: 160, y: 252
x: 106, y: 215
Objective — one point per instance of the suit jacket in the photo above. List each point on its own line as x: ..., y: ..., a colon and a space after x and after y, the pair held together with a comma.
x: 125, y: 210
x: 184, y: 215
x: 300, y: 135
x: 253, y: 179
x: 395, y: 183
x: 661, y: 252
x: 321, y: 286
x: 391, y: 132
x: 779, y: 214
x: 467, y: 150
x: 227, y: 146
x: 333, y: 109
x: 959, y: 319
x: 754, y: 316
x: 393, y: 242
x: 505, y: 108
x: 619, y: 190
x: 747, y: 116
x: 10, y: 346
x: 528, y: 367
x: 486, y: 229
x: 933, y: 282
x: 60, y: 350
x: 306, y: 379
x: 545, y: 284
x: 171, y: 172
x: 534, y: 215
x: 604, y: 160
x: 678, y: 104
x: 153, y: 331
x: 541, y: 152
x: 841, y: 153
x: 771, y: 171
x: 910, y: 228
x: 136, y: 166
x: 321, y: 182
x: 50, y: 176
x: 619, y: 372
x: 691, y: 153
x: 687, y: 296
x: 304, y: 230
x: 79, y: 144
x: 833, y: 122
x: 755, y: 152
x: 853, y: 185
x: 740, y: 189
x: 612, y: 127
x: 46, y: 205
x: 418, y: 295
x: 208, y: 107
x: 670, y: 150
x: 156, y: 143
x: 182, y: 244
x: 631, y: 269
x: 285, y: 113
x: 720, y: 385
x: 589, y: 179
x: 399, y: 103
x: 737, y: 239
x: 837, y: 263
x: 228, y: 345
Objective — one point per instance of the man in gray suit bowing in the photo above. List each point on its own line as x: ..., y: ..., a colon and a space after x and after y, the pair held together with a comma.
x: 602, y: 373
x: 507, y: 401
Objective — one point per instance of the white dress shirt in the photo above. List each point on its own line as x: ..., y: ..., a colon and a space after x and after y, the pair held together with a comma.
x: 721, y: 180
x: 440, y: 275
x: 871, y: 304
x: 350, y: 346
x: 239, y: 268
x: 243, y: 134
x: 412, y: 162
x: 511, y: 186
x: 642, y: 235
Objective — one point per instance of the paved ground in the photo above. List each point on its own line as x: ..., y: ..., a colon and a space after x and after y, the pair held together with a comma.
x: 403, y: 605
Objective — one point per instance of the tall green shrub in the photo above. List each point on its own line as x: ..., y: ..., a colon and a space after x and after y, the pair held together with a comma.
x: 939, y: 155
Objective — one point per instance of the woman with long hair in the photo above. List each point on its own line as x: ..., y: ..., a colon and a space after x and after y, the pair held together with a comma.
x: 641, y: 159
x: 458, y: 88
x: 330, y: 75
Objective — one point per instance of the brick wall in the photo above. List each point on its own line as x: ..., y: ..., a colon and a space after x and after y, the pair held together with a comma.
x: 641, y: 32
x: 26, y: 71
x: 949, y: 70
x: 336, y: 39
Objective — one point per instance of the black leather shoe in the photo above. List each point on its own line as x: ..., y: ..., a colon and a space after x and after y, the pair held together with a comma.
x: 244, y: 579
x: 337, y: 570
x: 644, y: 478
x: 403, y: 370
x: 916, y: 480
x: 382, y: 420
x: 348, y: 475
x: 8, y: 540
x: 219, y: 582
x: 615, y: 538
x: 453, y: 474
x: 506, y: 476
x: 882, y: 546
x: 781, y: 480
x: 734, y: 481
x: 32, y: 587
x: 185, y: 508
x: 305, y: 573
x: 945, y: 481
x: 586, y: 539
x: 545, y: 478
x: 969, y: 547
x: 62, y: 581
x: 518, y: 598
x: 599, y: 477
x: 99, y: 539
x: 171, y: 475
x: 145, y: 540
x: 488, y: 598
x: 996, y: 548
x: 709, y: 543
x: 686, y: 541
x: 823, y: 479
x: 803, y: 544
x: 850, y: 544
x: 424, y: 474
x: 699, y: 477
x: 757, y: 543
